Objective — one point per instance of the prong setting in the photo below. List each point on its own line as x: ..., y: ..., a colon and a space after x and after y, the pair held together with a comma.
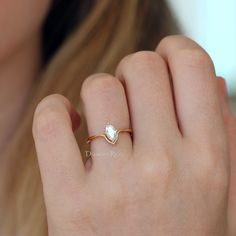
x: 111, y: 133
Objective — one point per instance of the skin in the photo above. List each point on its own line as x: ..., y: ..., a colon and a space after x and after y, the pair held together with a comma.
x: 172, y: 178
x: 19, y: 59
x: 176, y: 177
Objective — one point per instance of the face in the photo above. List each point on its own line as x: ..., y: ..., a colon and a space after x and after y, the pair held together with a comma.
x: 20, y: 21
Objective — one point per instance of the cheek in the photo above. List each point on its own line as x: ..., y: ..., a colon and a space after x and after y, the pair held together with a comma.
x: 19, y: 21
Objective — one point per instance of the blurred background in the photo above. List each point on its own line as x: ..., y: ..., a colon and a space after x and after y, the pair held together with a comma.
x: 212, y: 23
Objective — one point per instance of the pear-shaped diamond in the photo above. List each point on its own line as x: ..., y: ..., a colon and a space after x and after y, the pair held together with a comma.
x: 111, y: 133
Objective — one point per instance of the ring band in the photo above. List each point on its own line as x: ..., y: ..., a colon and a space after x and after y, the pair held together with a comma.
x: 111, y: 134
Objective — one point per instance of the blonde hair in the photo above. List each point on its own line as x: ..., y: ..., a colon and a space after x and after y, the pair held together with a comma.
x: 111, y: 30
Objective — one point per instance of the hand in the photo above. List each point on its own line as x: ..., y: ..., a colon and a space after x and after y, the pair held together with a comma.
x: 170, y: 178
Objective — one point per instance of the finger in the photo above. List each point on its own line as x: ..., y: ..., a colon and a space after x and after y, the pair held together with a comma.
x: 148, y: 89
x: 195, y: 88
x: 105, y: 102
x: 59, y: 157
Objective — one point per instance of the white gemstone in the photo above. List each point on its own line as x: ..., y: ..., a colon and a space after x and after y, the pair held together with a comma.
x: 111, y: 133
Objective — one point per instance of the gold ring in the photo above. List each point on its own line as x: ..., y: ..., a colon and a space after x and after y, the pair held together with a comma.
x: 111, y: 134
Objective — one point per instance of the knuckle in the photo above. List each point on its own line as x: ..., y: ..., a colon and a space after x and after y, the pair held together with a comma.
x: 141, y: 60
x: 195, y: 58
x: 51, y: 99
x: 158, y: 171
x: 46, y: 120
x: 100, y: 83
x: 150, y: 169
x: 168, y: 40
x: 173, y: 40
x: 146, y: 57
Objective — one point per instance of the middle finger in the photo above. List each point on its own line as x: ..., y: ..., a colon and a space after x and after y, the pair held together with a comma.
x: 152, y: 112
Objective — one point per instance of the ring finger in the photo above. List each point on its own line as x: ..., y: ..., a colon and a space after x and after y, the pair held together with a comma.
x: 105, y: 102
